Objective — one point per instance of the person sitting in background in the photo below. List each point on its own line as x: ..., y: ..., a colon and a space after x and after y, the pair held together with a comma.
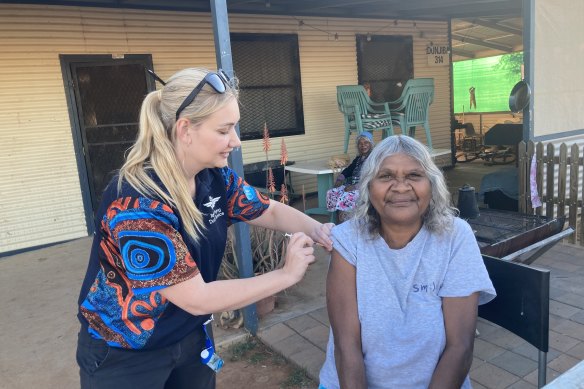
x: 367, y: 87
x: 344, y: 195
x: 405, y: 279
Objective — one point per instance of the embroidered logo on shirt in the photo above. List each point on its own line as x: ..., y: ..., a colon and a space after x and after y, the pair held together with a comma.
x: 212, y: 202
x: 216, y: 213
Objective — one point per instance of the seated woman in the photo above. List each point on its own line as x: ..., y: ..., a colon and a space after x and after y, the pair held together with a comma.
x: 405, y: 279
x: 344, y: 195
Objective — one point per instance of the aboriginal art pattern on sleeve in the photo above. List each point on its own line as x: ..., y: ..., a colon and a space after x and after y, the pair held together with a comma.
x: 141, y: 252
x: 244, y: 202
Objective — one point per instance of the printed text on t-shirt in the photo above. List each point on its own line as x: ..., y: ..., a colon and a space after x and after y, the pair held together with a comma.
x: 424, y: 287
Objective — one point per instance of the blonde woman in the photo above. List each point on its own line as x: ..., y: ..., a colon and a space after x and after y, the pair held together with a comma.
x: 151, y: 283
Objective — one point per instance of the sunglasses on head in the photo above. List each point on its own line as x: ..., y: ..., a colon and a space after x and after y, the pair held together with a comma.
x: 155, y: 76
x: 218, y: 81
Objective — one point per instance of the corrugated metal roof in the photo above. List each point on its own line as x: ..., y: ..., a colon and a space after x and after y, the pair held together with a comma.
x: 375, y: 9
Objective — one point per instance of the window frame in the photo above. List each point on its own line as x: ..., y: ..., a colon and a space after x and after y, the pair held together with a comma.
x: 404, y: 39
x: 299, y: 128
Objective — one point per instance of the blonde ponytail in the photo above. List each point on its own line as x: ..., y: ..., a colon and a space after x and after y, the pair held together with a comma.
x: 154, y: 150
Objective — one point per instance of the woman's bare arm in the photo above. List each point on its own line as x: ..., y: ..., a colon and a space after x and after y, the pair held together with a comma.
x: 284, y: 218
x: 460, y: 320
x: 341, y: 297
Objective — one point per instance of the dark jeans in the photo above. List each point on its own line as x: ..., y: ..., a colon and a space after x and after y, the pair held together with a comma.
x: 176, y: 366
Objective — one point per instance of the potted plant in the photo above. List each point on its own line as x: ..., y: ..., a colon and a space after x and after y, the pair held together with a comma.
x: 268, y: 247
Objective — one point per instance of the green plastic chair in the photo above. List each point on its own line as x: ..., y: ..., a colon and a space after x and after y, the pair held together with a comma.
x: 412, y: 108
x: 361, y: 113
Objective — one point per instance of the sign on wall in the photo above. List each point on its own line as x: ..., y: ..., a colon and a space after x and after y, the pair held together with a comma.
x: 438, y: 55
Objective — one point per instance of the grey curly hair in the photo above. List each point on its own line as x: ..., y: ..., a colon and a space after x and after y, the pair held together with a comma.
x: 439, y: 215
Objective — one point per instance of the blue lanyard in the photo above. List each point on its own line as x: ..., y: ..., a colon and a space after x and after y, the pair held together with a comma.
x: 208, y: 342
x: 208, y: 355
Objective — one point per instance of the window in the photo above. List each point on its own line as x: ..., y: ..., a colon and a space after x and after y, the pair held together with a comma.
x: 268, y: 69
x: 386, y: 63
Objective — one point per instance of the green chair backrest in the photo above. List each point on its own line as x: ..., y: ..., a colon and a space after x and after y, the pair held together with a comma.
x: 360, y: 113
x: 349, y: 96
x: 416, y: 82
x: 417, y: 97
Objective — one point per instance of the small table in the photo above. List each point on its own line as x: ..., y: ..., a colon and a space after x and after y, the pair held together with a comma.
x: 324, y: 175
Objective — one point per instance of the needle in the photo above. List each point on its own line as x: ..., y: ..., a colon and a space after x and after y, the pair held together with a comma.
x: 289, y: 235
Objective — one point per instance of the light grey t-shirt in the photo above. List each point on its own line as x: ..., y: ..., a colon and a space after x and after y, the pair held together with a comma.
x: 399, y: 300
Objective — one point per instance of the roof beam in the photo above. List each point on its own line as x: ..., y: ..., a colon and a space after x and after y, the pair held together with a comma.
x: 495, y: 26
x: 242, y: 2
x: 483, y: 43
x: 335, y: 4
x: 438, y: 12
x: 463, y: 53
x: 428, y: 7
x: 424, y: 5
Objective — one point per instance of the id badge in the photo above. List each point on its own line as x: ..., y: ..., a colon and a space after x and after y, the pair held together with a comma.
x: 208, y: 356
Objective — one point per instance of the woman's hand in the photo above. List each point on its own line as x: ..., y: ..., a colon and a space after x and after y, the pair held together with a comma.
x: 299, y: 254
x: 322, y: 235
x: 199, y: 297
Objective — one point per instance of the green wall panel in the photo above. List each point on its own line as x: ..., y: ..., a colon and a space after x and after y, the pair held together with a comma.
x: 492, y: 77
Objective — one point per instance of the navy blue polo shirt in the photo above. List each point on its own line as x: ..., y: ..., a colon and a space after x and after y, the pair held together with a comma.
x: 140, y: 246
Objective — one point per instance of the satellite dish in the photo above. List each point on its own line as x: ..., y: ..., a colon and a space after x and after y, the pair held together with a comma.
x: 520, y: 96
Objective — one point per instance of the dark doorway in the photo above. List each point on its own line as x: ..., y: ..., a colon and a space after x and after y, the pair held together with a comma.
x: 104, y: 96
x: 385, y: 62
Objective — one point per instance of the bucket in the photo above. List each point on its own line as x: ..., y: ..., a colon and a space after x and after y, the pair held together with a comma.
x: 467, y: 202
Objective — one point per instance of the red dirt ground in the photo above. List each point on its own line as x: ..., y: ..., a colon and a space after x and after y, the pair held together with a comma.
x: 252, y: 365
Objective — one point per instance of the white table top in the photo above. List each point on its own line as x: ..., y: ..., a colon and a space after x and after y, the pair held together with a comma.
x: 321, y: 166
x: 318, y: 166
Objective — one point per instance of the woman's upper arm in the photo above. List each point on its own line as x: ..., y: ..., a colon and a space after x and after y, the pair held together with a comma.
x: 184, y: 294
x: 341, y: 292
x: 460, y: 315
x: 460, y: 319
x: 150, y: 249
x: 244, y: 202
x: 267, y: 218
